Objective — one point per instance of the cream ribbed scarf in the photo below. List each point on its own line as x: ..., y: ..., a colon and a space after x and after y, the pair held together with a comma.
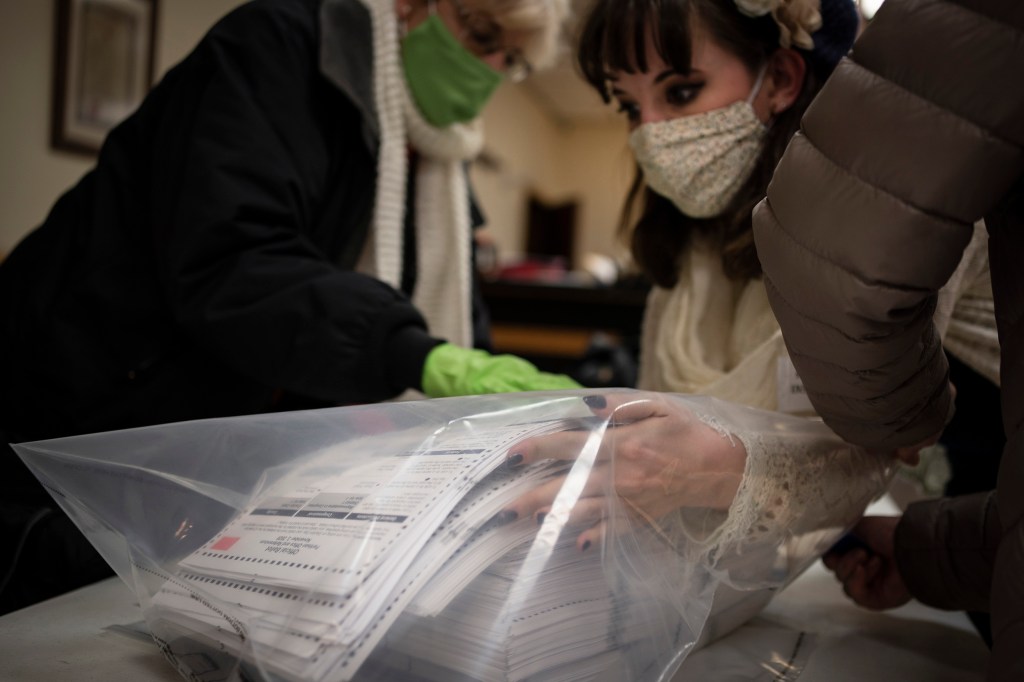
x: 711, y: 335
x: 443, y: 280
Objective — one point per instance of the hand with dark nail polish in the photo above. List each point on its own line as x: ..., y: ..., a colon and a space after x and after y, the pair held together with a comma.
x: 506, y: 516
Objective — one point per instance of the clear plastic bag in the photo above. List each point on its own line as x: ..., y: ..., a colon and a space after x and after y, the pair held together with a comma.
x: 376, y: 542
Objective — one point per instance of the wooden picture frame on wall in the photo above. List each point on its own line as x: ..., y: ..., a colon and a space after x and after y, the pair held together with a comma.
x: 103, y: 68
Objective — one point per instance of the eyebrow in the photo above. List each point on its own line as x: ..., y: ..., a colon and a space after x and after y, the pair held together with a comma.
x: 667, y: 73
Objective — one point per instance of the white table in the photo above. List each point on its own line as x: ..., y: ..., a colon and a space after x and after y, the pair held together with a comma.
x: 89, y: 635
x: 86, y: 635
x: 844, y: 642
x: 93, y: 635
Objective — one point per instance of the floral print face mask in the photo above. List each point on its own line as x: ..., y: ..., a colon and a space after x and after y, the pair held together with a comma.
x: 699, y: 162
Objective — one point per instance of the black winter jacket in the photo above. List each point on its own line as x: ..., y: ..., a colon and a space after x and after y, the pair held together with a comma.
x: 204, y: 267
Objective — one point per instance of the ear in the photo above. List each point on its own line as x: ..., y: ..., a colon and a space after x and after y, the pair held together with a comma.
x: 784, y: 79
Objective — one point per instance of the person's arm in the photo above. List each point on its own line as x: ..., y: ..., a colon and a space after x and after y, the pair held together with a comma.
x: 243, y: 166
x: 909, y: 143
x: 887, y: 552
x: 869, y: 211
x: 751, y: 494
x: 246, y: 160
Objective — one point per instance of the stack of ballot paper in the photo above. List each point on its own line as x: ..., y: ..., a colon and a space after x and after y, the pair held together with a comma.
x: 369, y: 543
x: 405, y: 559
x: 567, y: 617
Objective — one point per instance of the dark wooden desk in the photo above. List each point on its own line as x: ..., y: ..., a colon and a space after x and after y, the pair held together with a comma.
x: 554, y: 325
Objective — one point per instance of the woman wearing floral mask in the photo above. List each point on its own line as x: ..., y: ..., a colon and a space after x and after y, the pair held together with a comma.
x: 712, y: 90
x: 283, y: 223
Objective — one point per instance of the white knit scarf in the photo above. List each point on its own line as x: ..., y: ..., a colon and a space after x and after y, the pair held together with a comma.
x: 443, y: 279
x: 711, y: 335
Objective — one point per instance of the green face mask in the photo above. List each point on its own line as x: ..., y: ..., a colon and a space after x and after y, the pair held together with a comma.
x: 448, y: 83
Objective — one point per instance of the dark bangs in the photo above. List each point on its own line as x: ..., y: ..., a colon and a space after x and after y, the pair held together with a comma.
x: 614, y: 38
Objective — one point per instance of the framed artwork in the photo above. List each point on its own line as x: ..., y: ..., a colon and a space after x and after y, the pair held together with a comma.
x: 103, y: 68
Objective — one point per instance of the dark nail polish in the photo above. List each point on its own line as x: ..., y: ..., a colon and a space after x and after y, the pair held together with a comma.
x: 540, y: 518
x: 514, y: 460
x: 595, y: 401
x: 506, y: 516
x: 586, y: 545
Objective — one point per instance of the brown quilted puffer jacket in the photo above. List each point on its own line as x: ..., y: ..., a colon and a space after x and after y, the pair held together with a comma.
x: 916, y: 136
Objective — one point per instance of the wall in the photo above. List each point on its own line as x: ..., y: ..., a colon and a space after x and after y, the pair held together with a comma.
x: 32, y: 175
x: 521, y: 156
x: 535, y: 152
x: 555, y: 160
x: 597, y: 168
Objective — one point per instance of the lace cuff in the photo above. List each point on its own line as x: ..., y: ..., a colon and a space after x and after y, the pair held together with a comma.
x: 799, y: 493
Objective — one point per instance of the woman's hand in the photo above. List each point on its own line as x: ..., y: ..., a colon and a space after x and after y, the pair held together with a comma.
x: 656, y: 456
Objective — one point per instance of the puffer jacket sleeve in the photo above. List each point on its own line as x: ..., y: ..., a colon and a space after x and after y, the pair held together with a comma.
x: 946, y: 548
x: 916, y: 136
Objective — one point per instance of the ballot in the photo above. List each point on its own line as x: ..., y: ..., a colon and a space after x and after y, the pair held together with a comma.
x: 371, y: 543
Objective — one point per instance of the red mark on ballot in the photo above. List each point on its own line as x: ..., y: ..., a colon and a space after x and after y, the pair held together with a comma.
x: 225, y: 543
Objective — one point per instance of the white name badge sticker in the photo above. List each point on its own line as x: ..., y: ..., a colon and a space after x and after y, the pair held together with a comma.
x: 791, y: 396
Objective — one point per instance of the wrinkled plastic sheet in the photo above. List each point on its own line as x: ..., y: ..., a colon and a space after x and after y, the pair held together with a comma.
x: 373, y: 542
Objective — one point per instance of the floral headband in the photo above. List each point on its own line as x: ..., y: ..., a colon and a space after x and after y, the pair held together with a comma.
x: 797, y: 19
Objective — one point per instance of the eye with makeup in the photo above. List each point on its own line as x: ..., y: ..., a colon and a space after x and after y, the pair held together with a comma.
x: 665, y: 96
x: 682, y: 93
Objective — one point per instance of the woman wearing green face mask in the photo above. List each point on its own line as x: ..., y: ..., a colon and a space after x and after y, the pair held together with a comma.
x: 283, y: 223
x: 454, y: 57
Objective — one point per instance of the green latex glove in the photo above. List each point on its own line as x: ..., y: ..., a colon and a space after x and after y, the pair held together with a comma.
x: 453, y: 370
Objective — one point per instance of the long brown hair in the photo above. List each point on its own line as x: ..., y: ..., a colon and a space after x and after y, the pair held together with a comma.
x: 614, y: 39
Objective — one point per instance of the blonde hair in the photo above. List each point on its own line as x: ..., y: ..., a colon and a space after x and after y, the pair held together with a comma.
x: 539, y: 22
